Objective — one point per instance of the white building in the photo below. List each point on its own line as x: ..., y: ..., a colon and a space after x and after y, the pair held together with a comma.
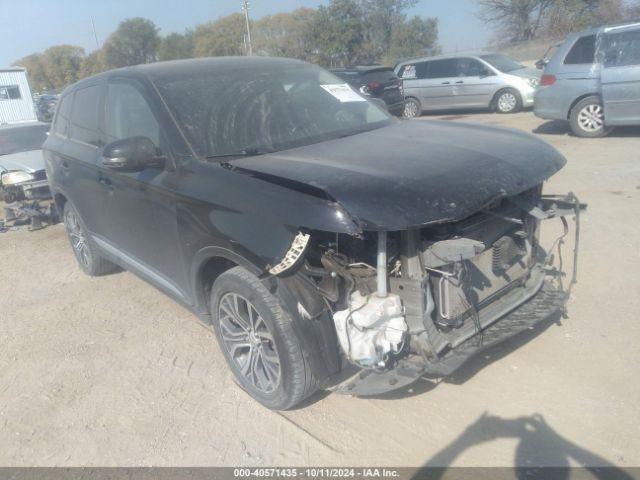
x: 16, y: 102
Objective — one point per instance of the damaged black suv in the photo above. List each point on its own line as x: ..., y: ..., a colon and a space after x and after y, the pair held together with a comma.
x: 328, y: 244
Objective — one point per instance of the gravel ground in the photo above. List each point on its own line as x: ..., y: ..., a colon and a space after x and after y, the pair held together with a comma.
x: 110, y: 372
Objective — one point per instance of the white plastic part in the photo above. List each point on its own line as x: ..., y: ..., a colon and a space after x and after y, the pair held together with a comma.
x: 371, y: 328
x: 293, y: 254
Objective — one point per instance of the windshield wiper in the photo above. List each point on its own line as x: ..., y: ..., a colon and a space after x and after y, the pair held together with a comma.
x: 246, y: 152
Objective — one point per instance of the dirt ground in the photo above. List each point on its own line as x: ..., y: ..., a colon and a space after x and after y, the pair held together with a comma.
x: 110, y: 372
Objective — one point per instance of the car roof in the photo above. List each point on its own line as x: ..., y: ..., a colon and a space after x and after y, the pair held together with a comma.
x: 361, y: 68
x: 177, y: 69
x: 605, y: 28
x: 448, y: 56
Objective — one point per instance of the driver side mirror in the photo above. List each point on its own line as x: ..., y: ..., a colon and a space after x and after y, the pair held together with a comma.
x: 131, y: 154
x: 485, y: 72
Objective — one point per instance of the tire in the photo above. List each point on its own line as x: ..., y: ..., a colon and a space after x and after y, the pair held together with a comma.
x: 507, y: 101
x: 257, y: 339
x: 84, y: 249
x: 587, y: 118
x: 412, y: 108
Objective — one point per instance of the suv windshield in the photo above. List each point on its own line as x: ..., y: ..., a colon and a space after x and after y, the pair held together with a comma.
x: 250, y: 109
x: 22, y: 138
x: 501, y: 62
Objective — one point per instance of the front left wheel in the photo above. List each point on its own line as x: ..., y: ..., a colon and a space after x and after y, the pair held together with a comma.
x: 508, y: 101
x: 258, y: 341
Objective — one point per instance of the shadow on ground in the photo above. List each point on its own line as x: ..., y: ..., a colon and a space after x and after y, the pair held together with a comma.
x: 560, y: 127
x: 539, y: 446
x: 474, y: 364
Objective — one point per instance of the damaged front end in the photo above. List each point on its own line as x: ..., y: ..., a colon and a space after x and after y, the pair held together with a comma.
x: 27, y: 199
x: 424, y: 300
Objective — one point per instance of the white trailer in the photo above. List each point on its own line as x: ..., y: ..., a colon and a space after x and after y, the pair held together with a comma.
x: 16, y: 102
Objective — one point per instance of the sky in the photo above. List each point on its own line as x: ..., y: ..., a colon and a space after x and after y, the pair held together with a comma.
x: 29, y: 26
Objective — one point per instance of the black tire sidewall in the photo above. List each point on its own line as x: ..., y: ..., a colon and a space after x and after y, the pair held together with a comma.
x: 238, y: 280
x: 515, y: 109
x: 90, y: 267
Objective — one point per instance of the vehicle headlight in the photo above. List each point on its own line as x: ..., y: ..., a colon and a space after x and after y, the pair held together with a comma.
x: 533, y: 82
x: 13, y: 178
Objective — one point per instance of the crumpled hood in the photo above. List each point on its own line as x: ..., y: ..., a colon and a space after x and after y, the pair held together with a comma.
x: 414, y: 172
x: 30, y: 162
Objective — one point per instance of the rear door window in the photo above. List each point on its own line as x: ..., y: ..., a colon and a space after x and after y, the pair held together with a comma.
x: 582, y: 52
x: 442, y: 68
x: 413, y: 70
x: 61, y: 123
x: 85, y: 116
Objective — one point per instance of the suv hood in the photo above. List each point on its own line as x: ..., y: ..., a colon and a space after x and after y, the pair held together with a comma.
x: 412, y: 173
x: 30, y: 162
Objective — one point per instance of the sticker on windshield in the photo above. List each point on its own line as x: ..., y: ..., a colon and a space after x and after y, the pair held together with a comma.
x: 343, y: 92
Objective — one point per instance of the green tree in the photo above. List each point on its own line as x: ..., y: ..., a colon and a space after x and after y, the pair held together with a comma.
x: 36, y: 71
x: 62, y: 64
x: 383, y: 18
x: 412, y: 38
x: 224, y: 36
x: 92, y: 64
x: 135, y: 41
x: 176, y: 46
x: 339, y: 30
x: 285, y: 34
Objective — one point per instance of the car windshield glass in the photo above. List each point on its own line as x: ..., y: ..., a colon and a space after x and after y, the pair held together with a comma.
x: 22, y: 138
x: 264, y: 107
x: 502, y: 62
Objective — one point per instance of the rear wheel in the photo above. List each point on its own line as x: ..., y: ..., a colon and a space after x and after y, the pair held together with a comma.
x: 84, y: 249
x: 412, y: 108
x: 257, y: 338
x: 587, y: 118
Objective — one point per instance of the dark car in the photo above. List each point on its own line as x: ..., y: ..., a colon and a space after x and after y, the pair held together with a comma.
x: 376, y: 82
x: 328, y: 244
x: 23, y: 179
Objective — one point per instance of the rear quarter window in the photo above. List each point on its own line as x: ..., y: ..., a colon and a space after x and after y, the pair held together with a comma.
x: 85, y: 115
x: 582, y: 52
x: 380, y: 76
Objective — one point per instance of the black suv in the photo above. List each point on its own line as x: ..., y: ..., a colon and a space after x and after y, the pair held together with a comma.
x: 376, y: 82
x: 328, y: 244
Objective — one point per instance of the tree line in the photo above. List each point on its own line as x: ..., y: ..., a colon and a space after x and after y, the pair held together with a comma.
x: 344, y: 32
x: 523, y: 20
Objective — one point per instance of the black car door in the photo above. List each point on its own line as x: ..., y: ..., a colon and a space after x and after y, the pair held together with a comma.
x: 79, y: 143
x: 141, y: 206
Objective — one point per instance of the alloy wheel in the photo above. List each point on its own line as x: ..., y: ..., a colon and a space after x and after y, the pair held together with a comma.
x: 410, y: 109
x: 591, y: 118
x: 249, y: 343
x: 77, y: 236
x: 507, y: 102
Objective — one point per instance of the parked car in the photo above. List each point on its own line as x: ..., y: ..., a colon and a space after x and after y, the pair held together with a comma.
x: 593, y: 80
x: 328, y: 244
x: 376, y: 82
x: 487, y: 80
x: 23, y: 180
x: 46, y: 106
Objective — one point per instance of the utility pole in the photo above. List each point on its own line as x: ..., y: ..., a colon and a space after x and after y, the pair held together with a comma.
x: 245, y: 8
x: 95, y: 35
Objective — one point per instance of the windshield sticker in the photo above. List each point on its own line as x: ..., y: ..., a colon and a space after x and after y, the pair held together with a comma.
x: 409, y: 71
x: 343, y: 92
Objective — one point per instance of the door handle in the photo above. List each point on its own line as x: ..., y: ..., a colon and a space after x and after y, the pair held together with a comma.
x: 445, y: 83
x: 459, y: 81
